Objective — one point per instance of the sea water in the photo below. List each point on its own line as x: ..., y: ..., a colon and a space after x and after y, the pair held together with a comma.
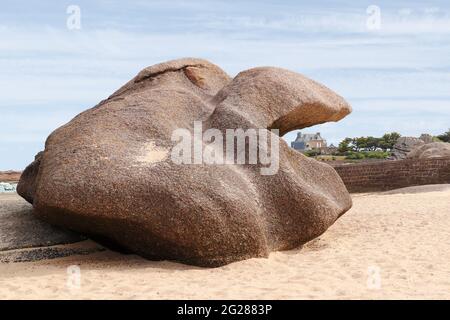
x: 7, y: 187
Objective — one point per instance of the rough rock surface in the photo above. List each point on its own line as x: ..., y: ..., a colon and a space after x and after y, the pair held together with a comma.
x: 108, y: 172
x: 427, y: 138
x: 23, y: 237
x: 430, y: 150
x: 403, y: 146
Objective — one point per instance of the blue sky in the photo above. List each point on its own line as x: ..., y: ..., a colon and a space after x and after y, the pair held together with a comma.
x: 397, y: 78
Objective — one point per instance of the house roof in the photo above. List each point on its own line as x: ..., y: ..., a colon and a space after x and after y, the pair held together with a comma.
x: 306, y: 137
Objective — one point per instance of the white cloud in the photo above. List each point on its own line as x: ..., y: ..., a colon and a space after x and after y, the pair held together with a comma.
x: 396, y: 78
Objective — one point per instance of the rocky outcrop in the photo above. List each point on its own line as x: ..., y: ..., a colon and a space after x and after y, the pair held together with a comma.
x: 9, y: 176
x: 23, y: 237
x: 427, y: 138
x: 430, y: 150
x: 403, y: 146
x: 27, y: 183
x: 109, y: 172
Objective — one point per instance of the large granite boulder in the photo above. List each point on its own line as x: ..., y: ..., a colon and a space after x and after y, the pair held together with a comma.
x: 403, y: 146
x: 109, y: 173
x: 430, y: 150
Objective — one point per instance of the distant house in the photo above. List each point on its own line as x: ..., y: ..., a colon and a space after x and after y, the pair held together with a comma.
x: 309, y: 141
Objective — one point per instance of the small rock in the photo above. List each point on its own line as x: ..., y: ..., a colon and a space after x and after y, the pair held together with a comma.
x: 403, y: 146
x: 19, y: 228
x: 430, y: 150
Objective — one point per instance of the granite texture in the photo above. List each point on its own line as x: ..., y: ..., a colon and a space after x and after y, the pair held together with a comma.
x: 19, y: 228
x: 430, y: 150
x: 108, y: 172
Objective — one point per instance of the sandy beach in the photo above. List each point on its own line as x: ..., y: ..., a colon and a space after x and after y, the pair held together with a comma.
x: 388, y: 246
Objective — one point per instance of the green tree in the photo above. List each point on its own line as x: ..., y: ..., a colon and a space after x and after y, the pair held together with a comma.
x: 361, y: 143
x: 445, y: 137
x: 388, y: 140
x: 369, y: 144
x: 373, y: 143
x: 345, y: 145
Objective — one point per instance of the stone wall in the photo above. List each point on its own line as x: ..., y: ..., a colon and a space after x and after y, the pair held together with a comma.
x: 388, y: 175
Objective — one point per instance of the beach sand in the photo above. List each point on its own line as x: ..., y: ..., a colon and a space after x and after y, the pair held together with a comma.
x: 388, y: 246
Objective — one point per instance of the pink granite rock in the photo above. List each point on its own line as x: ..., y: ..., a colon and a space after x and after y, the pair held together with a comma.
x: 108, y: 173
